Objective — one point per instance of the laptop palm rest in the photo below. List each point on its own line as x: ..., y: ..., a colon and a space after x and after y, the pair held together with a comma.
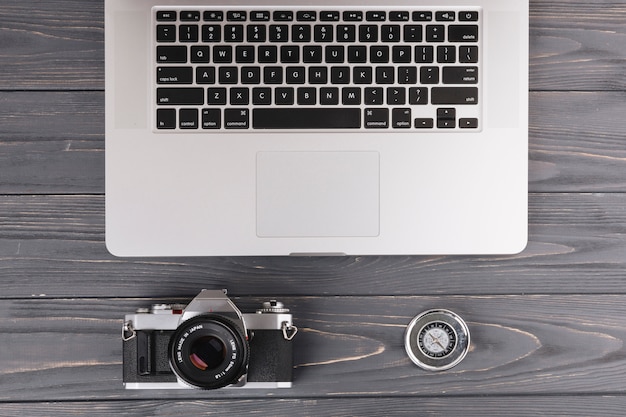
x: 318, y: 194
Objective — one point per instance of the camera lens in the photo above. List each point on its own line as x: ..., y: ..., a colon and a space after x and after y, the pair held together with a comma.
x: 209, y: 351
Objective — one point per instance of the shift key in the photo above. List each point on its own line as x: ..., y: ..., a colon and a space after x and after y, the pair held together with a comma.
x: 454, y: 95
x: 173, y: 96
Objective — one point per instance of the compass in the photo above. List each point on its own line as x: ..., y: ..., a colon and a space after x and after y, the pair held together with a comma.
x: 437, y: 340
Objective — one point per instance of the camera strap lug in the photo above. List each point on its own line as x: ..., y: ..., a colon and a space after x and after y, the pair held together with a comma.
x: 289, y: 330
x: 128, y: 331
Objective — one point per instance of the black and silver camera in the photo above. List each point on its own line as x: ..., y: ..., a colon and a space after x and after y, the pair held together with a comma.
x: 208, y: 344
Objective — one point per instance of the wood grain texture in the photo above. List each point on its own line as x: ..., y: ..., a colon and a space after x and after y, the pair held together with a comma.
x: 54, y: 245
x: 56, y: 349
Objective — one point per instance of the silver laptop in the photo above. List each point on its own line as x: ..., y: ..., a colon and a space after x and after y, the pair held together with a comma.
x: 298, y: 127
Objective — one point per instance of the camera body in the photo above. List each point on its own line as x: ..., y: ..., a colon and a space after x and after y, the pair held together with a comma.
x: 208, y: 344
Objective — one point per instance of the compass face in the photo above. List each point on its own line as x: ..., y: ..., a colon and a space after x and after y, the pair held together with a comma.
x: 437, y: 339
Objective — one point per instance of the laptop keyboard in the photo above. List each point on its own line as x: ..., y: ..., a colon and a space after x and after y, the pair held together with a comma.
x: 317, y: 69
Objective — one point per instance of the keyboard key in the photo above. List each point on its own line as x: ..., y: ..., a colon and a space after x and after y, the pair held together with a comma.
x: 216, y: 96
x: 250, y: 75
x: 385, y: 75
x: 379, y: 54
x: 260, y: 16
x: 205, y: 75
x: 352, y: 16
x: 174, y: 75
x: 213, y: 16
x: 166, y: 16
x: 236, y: 118
x: 222, y: 54
x: 239, y: 96
x: 306, y: 118
x: 340, y: 75
x: 396, y: 96
x: 318, y: 75
x: 422, y: 16
x: 424, y: 54
x: 306, y: 16
x: 166, y: 118
x: 468, y: 16
x: 376, y: 16
x: 445, y: 16
x: 454, y: 95
x: 429, y: 75
x: 200, y: 54
x: 173, y: 96
x: 446, y: 54
x: 290, y: 54
x: 283, y: 16
x: 307, y: 96
x: 351, y: 96
x: 362, y: 75
x: 334, y: 54
x: 368, y: 33
x: 285, y: 96
x: 190, y: 16
x: 228, y: 75
x: 235, y: 16
x: 312, y: 54
x: 399, y: 16
x: 279, y: 33
x: 188, y: 118
x: 463, y: 33
x: 331, y: 16
x: 460, y: 75
x: 423, y: 123
x: 256, y: 33
x: 244, y: 54
x: 329, y: 96
x: 401, y: 54
x: 211, y: 118
x: 468, y: 54
x: 357, y: 54
x: 468, y: 123
x: 273, y: 75
x: 374, y: 95
x: 323, y: 33
x: 418, y: 95
x: 301, y: 33
x: 295, y: 75
x: 188, y: 33
x: 435, y: 33
x: 346, y: 33
x: 401, y: 118
x: 166, y: 33
x: 262, y: 96
x: 268, y: 55
x: 233, y: 33
x: 211, y: 33
x: 407, y: 75
x: 377, y: 118
x: 412, y: 33
x: 390, y: 33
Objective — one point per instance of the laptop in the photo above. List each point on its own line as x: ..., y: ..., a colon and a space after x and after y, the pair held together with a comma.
x: 298, y: 127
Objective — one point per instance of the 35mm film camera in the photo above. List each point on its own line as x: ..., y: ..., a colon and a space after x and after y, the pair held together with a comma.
x: 208, y: 344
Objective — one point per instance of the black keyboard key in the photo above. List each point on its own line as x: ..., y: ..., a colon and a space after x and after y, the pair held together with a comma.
x: 351, y: 96
x: 256, y: 33
x: 190, y: 16
x: 418, y: 95
x: 424, y: 54
x: 211, y: 118
x: 260, y: 16
x: 463, y: 33
x: 228, y: 75
x: 460, y: 75
x: 329, y: 96
x: 205, y: 75
x: 233, y: 33
x: 166, y: 33
x: 213, y: 16
x: 376, y: 16
x: 390, y: 33
x: 283, y: 16
x: 401, y: 118
x: 216, y: 96
x: 323, y: 33
x: 307, y: 96
x: 468, y: 54
x: 200, y: 54
x: 379, y: 54
x: 262, y: 96
x: 352, y: 16
x: 412, y: 33
x: 429, y: 75
x: 340, y: 75
x: 318, y: 75
x: 376, y: 118
x: 211, y: 33
x: 188, y: 33
x: 424, y: 123
x: 346, y: 33
x: 239, y: 96
x: 166, y: 16
x: 301, y: 33
x: 334, y: 54
x: 445, y: 16
x: 407, y: 75
x: 396, y: 96
x: 357, y: 54
x: 222, y: 54
x: 446, y: 113
x: 285, y: 96
x: 244, y: 54
x: 446, y: 54
x: 329, y: 16
x: 374, y: 95
x: 268, y: 55
x: 468, y: 123
x: 306, y: 16
x: 446, y: 123
x: 454, y: 95
x: 306, y: 118
x: 166, y: 118
x: 182, y: 96
x: 279, y: 33
x: 368, y: 33
x: 236, y: 16
x: 250, y: 75
x: 422, y: 16
x: 401, y: 54
x: 273, y: 75
x: 385, y: 75
x: 290, y: 54
x: 312, y: 54
x: 174, y: 75
x: 188, y: 119
x: 362, y: 75
x: 236, y: 118
x: 398, y: 16
x: 295, y: 75
x: 435, y: 33
x: 468, y: 16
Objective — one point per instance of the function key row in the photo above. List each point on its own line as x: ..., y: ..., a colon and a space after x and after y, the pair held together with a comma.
x: 311, y: 16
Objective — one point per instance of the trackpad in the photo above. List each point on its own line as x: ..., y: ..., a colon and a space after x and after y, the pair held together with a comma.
x: 318, y: 194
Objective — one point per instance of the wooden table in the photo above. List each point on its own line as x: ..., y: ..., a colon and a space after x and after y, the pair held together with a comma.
x: 548, y: 325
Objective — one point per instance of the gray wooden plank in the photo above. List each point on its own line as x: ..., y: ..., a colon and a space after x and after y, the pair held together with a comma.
x: 68, y: 350
x: 54, y: 245
x: 53, y: 142
x: 60, y: 45
x: 484, y: 406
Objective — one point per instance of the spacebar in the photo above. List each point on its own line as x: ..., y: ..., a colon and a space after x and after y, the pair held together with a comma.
x: 308, y: 118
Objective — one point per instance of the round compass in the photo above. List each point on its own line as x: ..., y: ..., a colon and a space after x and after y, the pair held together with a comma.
x: 437, y: 340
